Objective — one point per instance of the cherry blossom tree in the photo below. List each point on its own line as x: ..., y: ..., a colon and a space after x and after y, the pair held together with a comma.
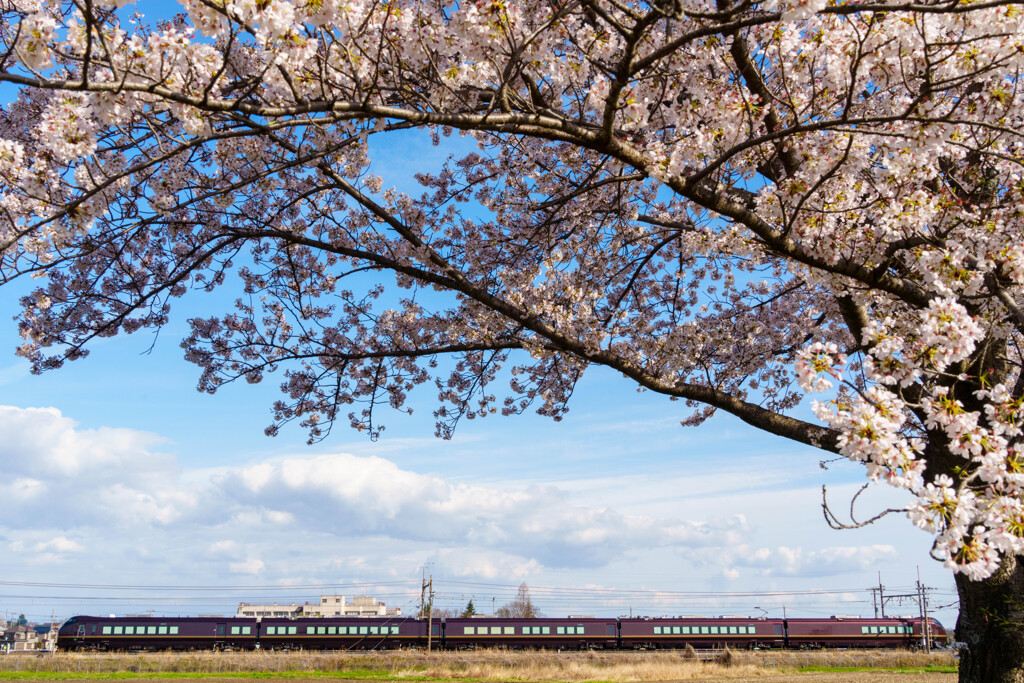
x: 736, y: 204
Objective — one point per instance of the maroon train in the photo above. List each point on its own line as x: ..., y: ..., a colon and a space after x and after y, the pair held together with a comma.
x: 360, y: 633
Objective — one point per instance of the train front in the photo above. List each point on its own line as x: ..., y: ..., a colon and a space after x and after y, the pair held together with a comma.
x: 936, y: 633
x: 71, y: 634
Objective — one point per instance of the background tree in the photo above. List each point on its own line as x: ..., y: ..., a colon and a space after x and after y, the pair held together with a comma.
x: 469, y: 611
x: 436, y: 612
x: 731, y: 203
x: 521, y: 607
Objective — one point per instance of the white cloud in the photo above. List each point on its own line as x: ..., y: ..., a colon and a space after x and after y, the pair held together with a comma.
x: 58, y: 545
x: 798, y: 562
x: 250, y: 566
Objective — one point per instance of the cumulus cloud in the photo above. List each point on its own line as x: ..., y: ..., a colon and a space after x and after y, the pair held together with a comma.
x: 365, y: 496
x: 57, y: 472
x: 116, y: 492
x: 799, y: 562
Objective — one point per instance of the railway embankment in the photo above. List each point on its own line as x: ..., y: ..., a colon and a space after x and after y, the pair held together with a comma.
x: 491, y: 665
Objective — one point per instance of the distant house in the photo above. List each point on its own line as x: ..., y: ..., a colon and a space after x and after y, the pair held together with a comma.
x: 20, y: 638
x: 47, y: 634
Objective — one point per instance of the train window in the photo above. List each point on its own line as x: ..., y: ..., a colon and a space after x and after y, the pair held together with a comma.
x: 174, y: 630
x: 106, y: 630
x: 545, y: 630
x: 93, y: 629
x: 332, y: 630
x: 611, y: 630
x: 310, y: 629
x: 363, y: 630
x: 271, y: 630
x: 129, y: 630
x: 436, y: 630
x: 394, y: 630
x: 375, y: 630
x: 235, y: 630
x: 469, y: 630
x: 676, y: 630
x: 714, y: 629
x: 343, y: 630
x: 892, y: 629
x: 561, y: 630
x: 508, y: 630
x: 732, y: 629
x: 162, y: 630
x: 292, y: 630
x: 685, y: 630
x: 118, y: 630
x: 704, y: 629
x: 321, y: 630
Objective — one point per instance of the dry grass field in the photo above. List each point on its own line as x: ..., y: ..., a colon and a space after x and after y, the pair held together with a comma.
x: 492, y: 665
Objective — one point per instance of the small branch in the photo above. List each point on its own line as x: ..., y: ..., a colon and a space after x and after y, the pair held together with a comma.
x: 833, y: 520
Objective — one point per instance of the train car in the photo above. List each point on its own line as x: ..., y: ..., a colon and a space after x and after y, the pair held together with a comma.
x: 854, y: 632
x: 701, y: 632
x: 543, y: 633
x: 157, y: 633
x: 806, y: 633
x: 381, y: 633
x: 342, y: 633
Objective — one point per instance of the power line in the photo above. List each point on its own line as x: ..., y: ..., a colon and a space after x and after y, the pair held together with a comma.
x: 322, y: 586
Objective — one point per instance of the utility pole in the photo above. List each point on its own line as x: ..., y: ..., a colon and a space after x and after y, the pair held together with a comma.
x: 423, y: 589
x: 430, y: 615
x: 922, y: 593
x: 881, y: 595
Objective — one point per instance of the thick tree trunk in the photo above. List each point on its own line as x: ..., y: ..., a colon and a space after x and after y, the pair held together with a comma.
x: 992, y: 624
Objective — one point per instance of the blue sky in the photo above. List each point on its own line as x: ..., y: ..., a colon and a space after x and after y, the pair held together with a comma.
x: 116, y: 472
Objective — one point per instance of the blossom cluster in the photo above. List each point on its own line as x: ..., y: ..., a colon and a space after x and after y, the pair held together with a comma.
x: 733, y: 206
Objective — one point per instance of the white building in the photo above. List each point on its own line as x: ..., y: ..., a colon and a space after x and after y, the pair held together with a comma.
x: 287, y: 611
x: 329, y: 606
